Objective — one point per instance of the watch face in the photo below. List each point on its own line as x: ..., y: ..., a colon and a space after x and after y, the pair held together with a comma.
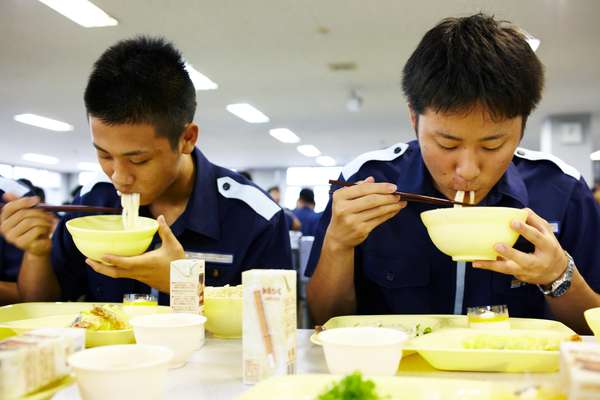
x: 561, y: 289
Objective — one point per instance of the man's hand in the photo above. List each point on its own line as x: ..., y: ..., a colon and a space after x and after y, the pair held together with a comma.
x: 546, y: 264
x: 151, y: 268
x: 25, y: 227
x: 357, y: 210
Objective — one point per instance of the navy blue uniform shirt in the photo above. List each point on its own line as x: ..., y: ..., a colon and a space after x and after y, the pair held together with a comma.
x: 309, y: 220
x: 10, y: 261
x: 10, y: 256
x: 228, y: 221
x: 398, y: 270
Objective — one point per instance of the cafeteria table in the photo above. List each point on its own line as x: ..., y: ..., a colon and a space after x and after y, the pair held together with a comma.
x: 215, y: 371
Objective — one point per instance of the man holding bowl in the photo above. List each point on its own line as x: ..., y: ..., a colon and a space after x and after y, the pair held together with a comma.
x: 471, y: 84
x: 140, y: 104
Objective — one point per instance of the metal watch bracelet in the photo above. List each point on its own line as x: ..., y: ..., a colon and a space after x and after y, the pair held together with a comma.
x: 563, y: 282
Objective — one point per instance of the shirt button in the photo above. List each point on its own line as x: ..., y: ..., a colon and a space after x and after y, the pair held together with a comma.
x: 226, y: 186
x: 397, y: 150
x: 215, y: 273
x: 389, y: 276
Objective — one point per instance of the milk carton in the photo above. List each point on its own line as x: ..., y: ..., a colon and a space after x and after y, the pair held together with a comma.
x: 187, y: 286
x: 269, y: 324
x: 580, y: 370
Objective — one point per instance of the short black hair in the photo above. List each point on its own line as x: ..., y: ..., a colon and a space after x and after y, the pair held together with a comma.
x: 474, y: 61
x: 246, y: 175
x: 307, y: 195
x: 142, y: 80
x: 26, y: 182
x: 273, y: 188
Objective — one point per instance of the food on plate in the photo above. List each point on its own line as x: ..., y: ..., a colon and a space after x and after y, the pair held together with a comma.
x: 224, y: 292
x: 514, y: 342
x: 103, y: 318
x: 352, y: 386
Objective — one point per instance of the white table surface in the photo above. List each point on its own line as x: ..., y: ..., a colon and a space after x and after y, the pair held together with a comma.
x: 215, y: 371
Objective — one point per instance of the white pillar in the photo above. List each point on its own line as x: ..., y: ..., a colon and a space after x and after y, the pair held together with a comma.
x: 569, y: 137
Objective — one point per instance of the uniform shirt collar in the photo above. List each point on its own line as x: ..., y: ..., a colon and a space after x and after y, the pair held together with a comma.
x: 201, y: 214
x: 511, y: 185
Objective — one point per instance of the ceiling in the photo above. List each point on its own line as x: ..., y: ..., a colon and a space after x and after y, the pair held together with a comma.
x: 273, y: 54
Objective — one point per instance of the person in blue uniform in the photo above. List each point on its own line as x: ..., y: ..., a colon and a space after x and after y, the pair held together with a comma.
x: 471, y: 83
x: 10, y: 256
x: 305, y: 212
x: 10, y: 264
x: 140, y: 103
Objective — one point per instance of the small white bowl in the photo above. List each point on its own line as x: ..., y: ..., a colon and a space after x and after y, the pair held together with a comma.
x: 182, y: 333
x: 370, y: 350
x: 121, y: 372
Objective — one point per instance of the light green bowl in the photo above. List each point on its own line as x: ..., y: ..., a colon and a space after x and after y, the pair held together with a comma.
x: 592, y: 317
x: 224, y: 317
x: 98, y: 235
x: 470, y: 233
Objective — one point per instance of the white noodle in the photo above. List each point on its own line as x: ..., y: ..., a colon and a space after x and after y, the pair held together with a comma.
x: 131, y: 209
x: 472, y: 197
x: 460, y: 197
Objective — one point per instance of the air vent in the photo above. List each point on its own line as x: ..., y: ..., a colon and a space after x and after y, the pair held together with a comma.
x: 342, y: 66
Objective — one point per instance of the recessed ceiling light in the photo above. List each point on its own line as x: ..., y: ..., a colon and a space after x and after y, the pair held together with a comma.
x: 43, y: 122
x: 309, y: 150
x: 284, y: 135
x: 200, y: 81
x: 88, y: 166
x: 40, y: 158
x: 248, y: 113
x: 326, y: 161
x: 342, y: 66
x: 82, y: 12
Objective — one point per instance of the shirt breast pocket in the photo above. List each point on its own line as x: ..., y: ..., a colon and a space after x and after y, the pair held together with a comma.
x: 523, y: 300
x: 395, y: 284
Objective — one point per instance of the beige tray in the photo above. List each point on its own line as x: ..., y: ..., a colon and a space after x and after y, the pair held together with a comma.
x: 19, y: 318
x: 302, y: 387
x: 436, y: 322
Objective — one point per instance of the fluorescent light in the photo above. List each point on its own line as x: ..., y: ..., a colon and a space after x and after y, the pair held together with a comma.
x: 284, y: 135
x: 88, y: 166
x: 326, y: 161
x: 595, y: 156
x: 308, y: 150
x: 200, y: 81
x: 248, y: 113
x: 40, y: 158
x: 43, y: 122
x: 82, y: 12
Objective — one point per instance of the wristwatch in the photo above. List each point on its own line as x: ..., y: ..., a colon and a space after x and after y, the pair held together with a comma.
x: 563, y: 283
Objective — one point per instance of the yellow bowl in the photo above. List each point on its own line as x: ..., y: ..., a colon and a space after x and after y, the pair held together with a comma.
x: 470, y: 233
x: 224, y: 316
x: 98, y: 235
x: 592, y: 317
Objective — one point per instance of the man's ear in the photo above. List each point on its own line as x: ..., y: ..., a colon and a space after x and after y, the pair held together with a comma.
x: 189, y: 138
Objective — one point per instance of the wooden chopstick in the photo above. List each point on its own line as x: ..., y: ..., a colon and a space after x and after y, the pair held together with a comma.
x: 418, y: 198
x: 74, y: 208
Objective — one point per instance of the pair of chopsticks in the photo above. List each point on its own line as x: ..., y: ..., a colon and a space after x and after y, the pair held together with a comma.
x: 74, y: 208
x: 418, y: 198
